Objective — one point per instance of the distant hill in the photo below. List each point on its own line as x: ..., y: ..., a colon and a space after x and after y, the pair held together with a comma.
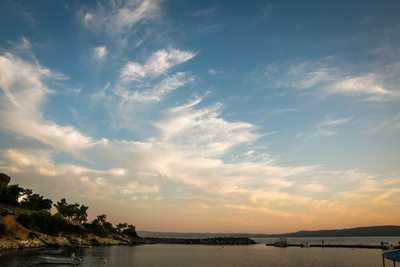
x: 387, y: 230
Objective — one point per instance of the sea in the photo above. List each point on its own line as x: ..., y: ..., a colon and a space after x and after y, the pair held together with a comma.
x: 217, y: 255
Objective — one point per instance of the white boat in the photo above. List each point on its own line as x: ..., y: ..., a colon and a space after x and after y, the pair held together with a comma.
x: 50, y: 252
x: 386, y: 246
x: 58, y: 259
x: 305, y: 245
x: 281, y: 243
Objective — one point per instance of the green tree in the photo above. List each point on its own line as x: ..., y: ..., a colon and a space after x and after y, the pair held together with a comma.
x: 62, y: 207
x: 11, y: 195
x: 4, y: 180
x: 102, y: 218
x: 121, y: 226
x: 98, y: 228
x: 81, y: 215
x: 131, y: 231
x: 35, y: 201
x: 72, y: 211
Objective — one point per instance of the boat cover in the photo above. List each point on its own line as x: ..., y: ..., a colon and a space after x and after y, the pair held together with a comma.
x: 392, y: 255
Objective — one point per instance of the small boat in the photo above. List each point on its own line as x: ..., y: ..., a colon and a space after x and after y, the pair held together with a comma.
x: 281, y: 243
x: 80, y: 245
x: 386, y: 246
x: 58, y: 259
x: 50, y: 252
x: 305, y: 245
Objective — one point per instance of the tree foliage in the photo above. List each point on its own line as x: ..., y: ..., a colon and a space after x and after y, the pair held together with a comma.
x: 35, y: 201
x: 44, y: 222
x: 11, y: 195
x: 70, y: 212
x: 4, y: 180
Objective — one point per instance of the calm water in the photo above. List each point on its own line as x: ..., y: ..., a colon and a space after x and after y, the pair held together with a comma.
x: 205, y: 255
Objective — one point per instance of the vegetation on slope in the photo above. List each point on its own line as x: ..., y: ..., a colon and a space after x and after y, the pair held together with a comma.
x: 32, y: 211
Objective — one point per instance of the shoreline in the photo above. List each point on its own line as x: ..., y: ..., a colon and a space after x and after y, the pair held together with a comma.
x: 49, y: 241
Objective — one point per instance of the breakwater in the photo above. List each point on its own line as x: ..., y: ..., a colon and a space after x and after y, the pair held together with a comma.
x: 200, y: 241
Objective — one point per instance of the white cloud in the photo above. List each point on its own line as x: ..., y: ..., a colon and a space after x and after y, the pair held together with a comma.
x: 335, y: 122
x: 100, y: 52
x: 202, y: 131
x: 157, y: 64
x: 134, y: 187
x: 87, y: 19
x: 323, y: 78
x: 119, y: 17
x: 39, y: 166
x: 326, y: 127
x: 24, y: 93
x: 215, y: 72
x: 155, y: 93
x: 362, y: 85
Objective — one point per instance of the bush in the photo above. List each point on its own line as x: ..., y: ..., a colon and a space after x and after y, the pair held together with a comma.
x: 6, y: 212
x: 96, y: 228
x: 26, y: 221
x: 46, y: 223
x: 94, y: 242
x: 33, y: 235
x: 2, y: 229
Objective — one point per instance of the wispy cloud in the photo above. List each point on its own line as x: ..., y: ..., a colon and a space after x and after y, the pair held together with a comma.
x: 202, y: 131
x: 325, y: 79
x: 119, y: 17
x: 335, y: 122
x: 158, y: 63
x: 24, y: 93
x: 207, y: 12
x: 99, y: 52
x: 264, y: 13
x: 329, y: 127
x: 215, y: 72
x: 142, y: 84
x: 212, y: 28
x: 368, y: 20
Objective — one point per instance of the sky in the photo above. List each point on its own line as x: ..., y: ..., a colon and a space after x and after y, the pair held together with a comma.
x: 205, y: 116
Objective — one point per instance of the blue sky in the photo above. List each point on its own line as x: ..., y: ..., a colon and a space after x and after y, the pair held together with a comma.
x: 205, y: 116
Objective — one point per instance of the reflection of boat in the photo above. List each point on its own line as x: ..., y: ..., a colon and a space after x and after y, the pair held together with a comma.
x: 59, y: 259
x: 281, y: 243
x: 305, y: 245
x: 50, y: 252
x: 83, y: 246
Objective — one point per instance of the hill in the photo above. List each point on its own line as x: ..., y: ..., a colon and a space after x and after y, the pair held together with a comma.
x: 386, y: 230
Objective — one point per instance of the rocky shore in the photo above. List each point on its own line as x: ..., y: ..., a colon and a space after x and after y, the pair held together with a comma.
x: 201, y: 241
x: 51, y: 241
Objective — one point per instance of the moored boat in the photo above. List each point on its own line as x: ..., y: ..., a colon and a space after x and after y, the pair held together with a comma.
x: 50, y: 252
x: 281, y: 243
x: 58, y: 259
